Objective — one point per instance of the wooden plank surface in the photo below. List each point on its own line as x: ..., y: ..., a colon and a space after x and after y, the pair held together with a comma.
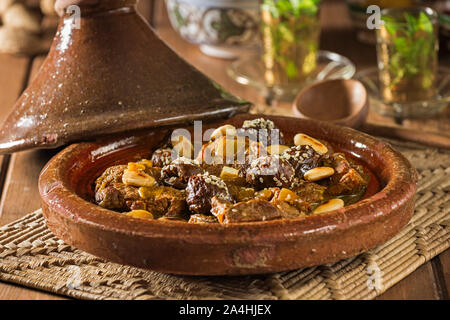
x: 20, y: 195
x: 14, y: 72
x: 442, y: 273
x: 419, y: 285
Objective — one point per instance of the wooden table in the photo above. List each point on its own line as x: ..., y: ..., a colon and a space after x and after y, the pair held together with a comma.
x: 19, y: 172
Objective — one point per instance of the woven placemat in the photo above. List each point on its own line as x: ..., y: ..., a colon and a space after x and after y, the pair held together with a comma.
x: 32, y: 256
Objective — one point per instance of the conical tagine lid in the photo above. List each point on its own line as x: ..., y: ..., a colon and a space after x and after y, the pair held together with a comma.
x: 108, y: 73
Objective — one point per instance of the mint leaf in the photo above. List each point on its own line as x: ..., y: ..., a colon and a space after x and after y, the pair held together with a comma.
x: 291, y: 69
x: 424, y: 23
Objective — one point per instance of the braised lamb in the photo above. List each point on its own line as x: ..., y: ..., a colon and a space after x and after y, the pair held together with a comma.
x: 263, y: 178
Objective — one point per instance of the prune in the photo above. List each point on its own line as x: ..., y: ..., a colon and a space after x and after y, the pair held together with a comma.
x: 162, y: 157
x: 201, y: 188
x: 270, y: 171
x: 302, y: 159
x: 177, y: 173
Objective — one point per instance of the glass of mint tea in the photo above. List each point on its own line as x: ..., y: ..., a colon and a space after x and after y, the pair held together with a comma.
x: 290, y: 40
x: 407, y: 53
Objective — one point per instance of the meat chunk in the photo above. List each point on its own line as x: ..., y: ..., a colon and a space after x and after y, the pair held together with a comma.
x: 177, y: 173
x: 165, y: 201
x: 240, y: 193
x: 348, y: 178
x: 349, y: 183
x: 110, y: 197
x: 270, y: 171
x: 263, y: 131
x: 119, y: 196
x: 214, y: 170
x: 310, y: 192
x: 120, y: 173
x: 201, y: 188
x: 201, y: 218
x: 288, y: 211
x: 161, y: 157
x: 160, y: 201
x: 290, y: 204
x: 252, y: 210
x: 339, y: 163
x: 302, y: 159
x: 110, y: 175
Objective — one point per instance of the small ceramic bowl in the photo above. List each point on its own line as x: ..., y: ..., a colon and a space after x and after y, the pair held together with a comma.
x: 222, y: 28
x: 339, y: 101
x: 66, y: 188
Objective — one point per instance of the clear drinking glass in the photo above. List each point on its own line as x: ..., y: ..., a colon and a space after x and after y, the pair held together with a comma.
x: 290, y: 40
x: 407, y: 52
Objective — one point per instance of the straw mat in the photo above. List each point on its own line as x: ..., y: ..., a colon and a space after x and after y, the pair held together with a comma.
x: 31, y: 256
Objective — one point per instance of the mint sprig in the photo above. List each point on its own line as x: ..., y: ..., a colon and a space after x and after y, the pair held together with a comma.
x: 413, y: 42
x: 291, y: 31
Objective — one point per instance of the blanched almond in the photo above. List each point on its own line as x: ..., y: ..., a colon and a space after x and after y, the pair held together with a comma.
x: 276, y: 149
x: 141, y: 214
x: 318, y: 173
x: 138, y: 179
x: 332, y: 204
x: 301, y: 139
x: 205, y: 153
x: 225, y: 130
x: 228, y: 148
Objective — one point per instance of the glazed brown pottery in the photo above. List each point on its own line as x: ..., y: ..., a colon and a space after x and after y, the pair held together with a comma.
x: 112, y: 74
x: 339, y: 101
x: 66, y: 188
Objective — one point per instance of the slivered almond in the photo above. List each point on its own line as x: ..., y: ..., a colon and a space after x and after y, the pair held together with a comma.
x: 276, y: 149
x: 301, y: 139
x: 318, y: 173
x: 138, y: 178
x: 225, y: 130
x: 330, y: 205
